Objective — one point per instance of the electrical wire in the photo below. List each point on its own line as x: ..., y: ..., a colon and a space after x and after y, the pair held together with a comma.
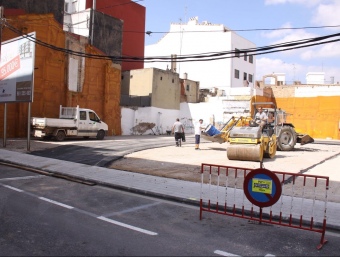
x: 236, y: 30
x: 287, y: 46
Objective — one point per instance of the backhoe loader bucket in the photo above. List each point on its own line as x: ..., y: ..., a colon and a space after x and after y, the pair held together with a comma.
x: 216, y: 138
x: 304, y: 139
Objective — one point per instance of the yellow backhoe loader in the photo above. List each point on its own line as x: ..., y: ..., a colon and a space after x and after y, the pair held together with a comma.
x: 249, y: 142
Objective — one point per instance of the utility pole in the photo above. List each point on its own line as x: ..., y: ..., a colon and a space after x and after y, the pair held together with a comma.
x: 92, y: 20
x: 5, y: 107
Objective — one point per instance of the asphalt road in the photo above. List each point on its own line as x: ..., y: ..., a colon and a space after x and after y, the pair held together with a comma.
x: 46, y: 216
x: 103, y: 152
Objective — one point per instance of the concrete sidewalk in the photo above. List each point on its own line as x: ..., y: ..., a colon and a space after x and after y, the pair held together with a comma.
x: 172, y: 189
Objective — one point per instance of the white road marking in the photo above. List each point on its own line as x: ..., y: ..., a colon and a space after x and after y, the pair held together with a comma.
x: 222, y: 253
x: 131, y: 209
x: 13, y: 188
x: 57, y: 203
x: 20, y: 178
x: 128, y: 226
x: 78, y: 210
x: 225, y: 253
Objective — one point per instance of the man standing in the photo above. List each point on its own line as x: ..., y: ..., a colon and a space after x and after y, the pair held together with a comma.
x: 178, y: 130
x: 198, y: 129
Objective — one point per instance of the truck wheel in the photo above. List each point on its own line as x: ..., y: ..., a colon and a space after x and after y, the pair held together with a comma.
x: 286, y: 139
x: 100, y: 135
x: 60, y: 136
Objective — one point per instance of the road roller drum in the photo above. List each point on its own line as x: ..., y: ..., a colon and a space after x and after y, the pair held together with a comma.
x: 245, y: 152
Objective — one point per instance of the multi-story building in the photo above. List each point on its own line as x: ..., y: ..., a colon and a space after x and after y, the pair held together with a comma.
x: 78, y: 20
x: 114, y: 27
x: 202, y: 39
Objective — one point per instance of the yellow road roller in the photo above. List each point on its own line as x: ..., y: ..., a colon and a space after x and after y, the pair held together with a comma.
x: 248, y: 143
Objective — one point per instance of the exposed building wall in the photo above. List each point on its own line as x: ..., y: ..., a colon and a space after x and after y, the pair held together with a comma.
x: 133, y: 16
x: 107, y: 30
x: 100, y: 90
x: 217, y: 73
x: 107, y: 35
x: 36, y: 7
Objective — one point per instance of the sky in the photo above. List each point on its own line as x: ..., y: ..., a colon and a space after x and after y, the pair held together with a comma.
x: 262, y: 14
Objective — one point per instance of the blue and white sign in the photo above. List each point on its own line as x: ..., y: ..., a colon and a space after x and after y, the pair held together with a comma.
x: 262, y: 187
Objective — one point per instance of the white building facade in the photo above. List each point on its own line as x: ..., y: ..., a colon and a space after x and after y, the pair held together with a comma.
x: 315, y: 78
x: 227, y: 69
x: 77, y: 18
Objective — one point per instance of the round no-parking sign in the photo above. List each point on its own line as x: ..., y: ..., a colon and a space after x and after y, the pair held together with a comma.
x: 262, y: 187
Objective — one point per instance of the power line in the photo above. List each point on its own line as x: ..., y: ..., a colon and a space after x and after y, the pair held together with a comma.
x: 149, y: 32
x: 287, y: 46
x: 236, y: 30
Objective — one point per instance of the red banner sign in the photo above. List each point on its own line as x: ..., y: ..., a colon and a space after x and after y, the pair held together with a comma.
x: 10, y: 67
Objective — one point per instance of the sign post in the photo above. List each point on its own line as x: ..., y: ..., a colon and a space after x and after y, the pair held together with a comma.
x: 5, y: 107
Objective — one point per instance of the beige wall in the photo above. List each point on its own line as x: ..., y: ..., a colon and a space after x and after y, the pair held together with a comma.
x: 190, y: 89
x: 141, y: 82
x: 162, y: 85
x: 166, y: 91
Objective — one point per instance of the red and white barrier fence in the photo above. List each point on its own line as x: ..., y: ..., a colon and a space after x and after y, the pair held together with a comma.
x: 280, y: 198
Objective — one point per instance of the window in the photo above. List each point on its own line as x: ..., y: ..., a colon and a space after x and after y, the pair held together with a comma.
x: 66, y: 7
x: 245, y: 76
x: 237, y: 53
x: 161, y: 78
x: 93, y: 117
x: 245, y: 56
x: 188, y: 87
x: 82, y: 115
x: 250, y: 78
x: 237, y: 74
x: 250, y: 58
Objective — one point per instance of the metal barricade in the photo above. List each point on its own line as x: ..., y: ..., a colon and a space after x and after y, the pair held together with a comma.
x: 302, y: 202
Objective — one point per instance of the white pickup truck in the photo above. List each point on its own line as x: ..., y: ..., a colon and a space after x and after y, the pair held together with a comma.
x: 72, y: 122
